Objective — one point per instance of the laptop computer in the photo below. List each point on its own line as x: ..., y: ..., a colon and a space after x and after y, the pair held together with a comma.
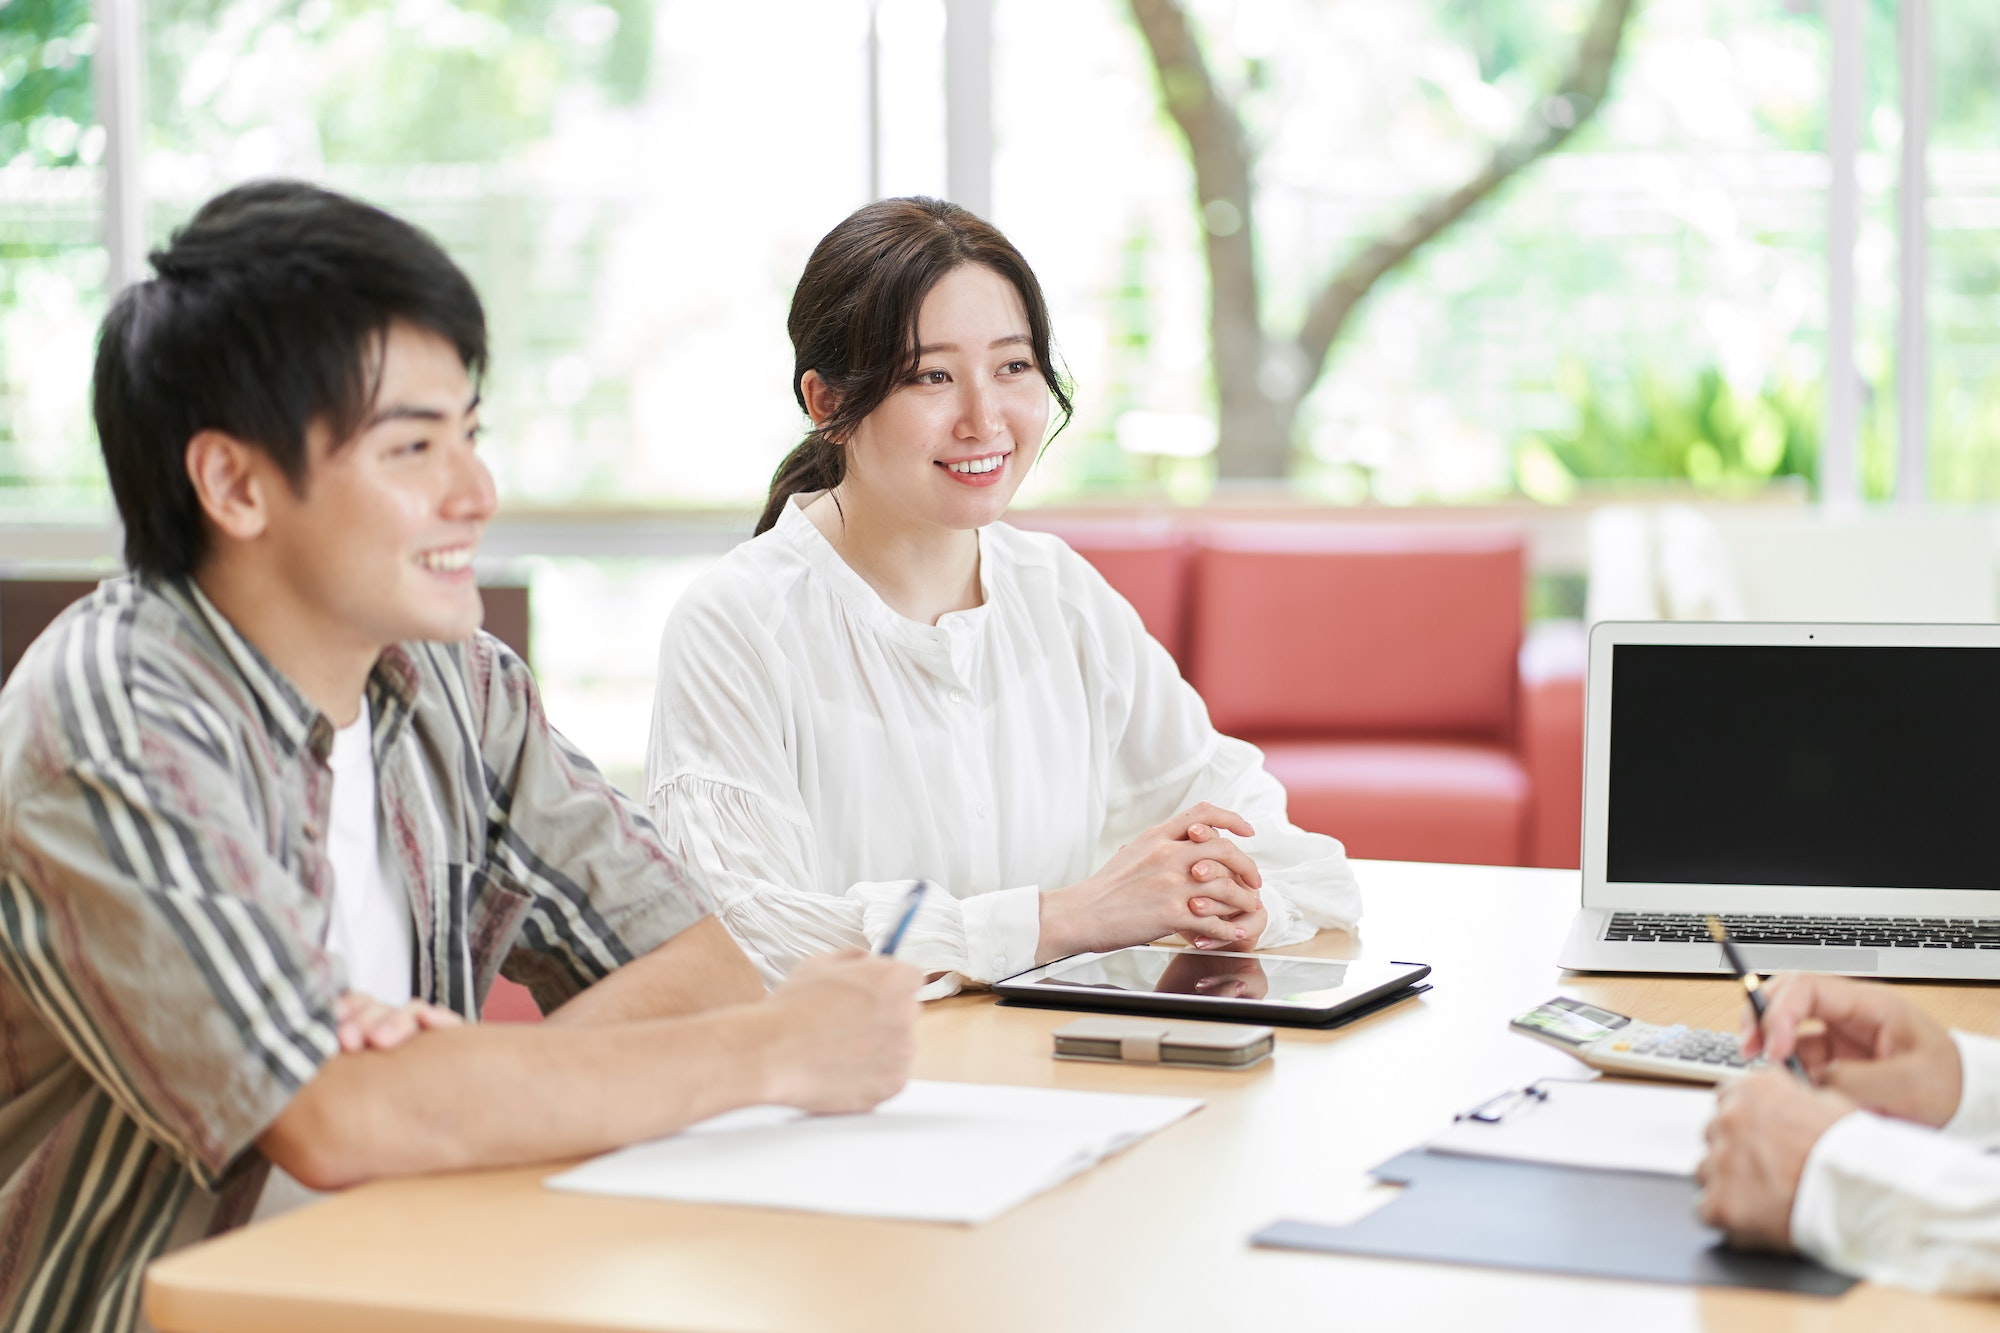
x: 1831, y: 791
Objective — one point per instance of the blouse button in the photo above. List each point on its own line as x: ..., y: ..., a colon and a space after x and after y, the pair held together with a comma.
x: 958, y: 696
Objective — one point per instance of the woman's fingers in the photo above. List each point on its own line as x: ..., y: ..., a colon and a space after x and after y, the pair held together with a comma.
x: 1214, y: 816
x: 1227, y: 896
x: 1228, y: 855
x: 1209, y: 932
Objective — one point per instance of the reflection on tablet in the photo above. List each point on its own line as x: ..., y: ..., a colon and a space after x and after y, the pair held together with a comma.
x: 1308, y: 982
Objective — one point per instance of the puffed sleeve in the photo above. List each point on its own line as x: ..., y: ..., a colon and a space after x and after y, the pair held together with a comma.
x: 721, y: 785
x: 1167, y: 757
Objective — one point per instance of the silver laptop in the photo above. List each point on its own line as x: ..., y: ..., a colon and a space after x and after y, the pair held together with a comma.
x: 1831, y: 791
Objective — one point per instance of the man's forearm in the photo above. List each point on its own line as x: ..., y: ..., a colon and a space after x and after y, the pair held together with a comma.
x: 700, y: 968
x: 504, y: 1094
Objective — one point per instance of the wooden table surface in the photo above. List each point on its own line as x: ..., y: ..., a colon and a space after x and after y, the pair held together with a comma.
x: 1155, y: 1239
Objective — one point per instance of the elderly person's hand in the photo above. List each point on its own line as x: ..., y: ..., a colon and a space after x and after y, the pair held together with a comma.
x: 1764, y: 1127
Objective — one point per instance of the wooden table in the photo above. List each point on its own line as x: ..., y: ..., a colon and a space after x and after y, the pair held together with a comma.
x: 1152, y: 1240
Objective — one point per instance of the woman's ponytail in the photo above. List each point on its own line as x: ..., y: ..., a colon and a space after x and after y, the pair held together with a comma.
x: 817, y: 464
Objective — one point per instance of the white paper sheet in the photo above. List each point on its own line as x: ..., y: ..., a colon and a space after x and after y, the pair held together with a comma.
x: 1602, y: 1124
x: 935, y: 1152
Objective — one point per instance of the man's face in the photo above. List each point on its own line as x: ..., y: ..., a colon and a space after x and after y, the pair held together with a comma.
x: 379, y: 547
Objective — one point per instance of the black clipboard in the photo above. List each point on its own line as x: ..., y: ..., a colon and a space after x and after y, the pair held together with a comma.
x: 1551, y: 1219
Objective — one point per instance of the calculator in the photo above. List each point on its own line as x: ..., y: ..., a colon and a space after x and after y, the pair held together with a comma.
x: 1621, y: 1045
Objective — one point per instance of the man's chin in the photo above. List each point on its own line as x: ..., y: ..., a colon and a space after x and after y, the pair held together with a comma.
x: 453, y: 624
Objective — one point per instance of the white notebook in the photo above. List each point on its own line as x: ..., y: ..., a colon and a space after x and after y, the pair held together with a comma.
x: 935, y: 1152
x: 1605, y: 1124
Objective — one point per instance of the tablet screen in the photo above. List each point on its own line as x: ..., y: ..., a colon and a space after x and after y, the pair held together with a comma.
x: 1309, y: 983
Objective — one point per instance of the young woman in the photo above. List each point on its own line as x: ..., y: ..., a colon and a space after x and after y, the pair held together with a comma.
x: 888, y: 683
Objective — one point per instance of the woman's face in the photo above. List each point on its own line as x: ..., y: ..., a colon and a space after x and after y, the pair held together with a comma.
x: 950, y: 445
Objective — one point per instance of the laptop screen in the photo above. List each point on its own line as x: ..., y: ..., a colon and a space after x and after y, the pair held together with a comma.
x: 1860, y: 767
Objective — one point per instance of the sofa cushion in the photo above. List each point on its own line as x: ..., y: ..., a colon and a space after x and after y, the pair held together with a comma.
x: 1407, y: 800
x: 1357, y: 628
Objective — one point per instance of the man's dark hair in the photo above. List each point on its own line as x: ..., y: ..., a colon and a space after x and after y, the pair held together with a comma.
x: 269, y: 313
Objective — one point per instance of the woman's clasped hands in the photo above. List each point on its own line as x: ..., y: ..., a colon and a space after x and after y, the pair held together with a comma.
x: 1181, y: 877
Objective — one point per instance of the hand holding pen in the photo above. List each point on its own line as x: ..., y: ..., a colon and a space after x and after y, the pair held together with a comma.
x: 1752, y: 986
x: 1862, y: 1038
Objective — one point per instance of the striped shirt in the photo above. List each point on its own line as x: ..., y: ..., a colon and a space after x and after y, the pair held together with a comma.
x: 164, y: 900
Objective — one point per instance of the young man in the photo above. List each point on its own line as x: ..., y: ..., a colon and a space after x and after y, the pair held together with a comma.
x: 1882, y: 1168
x: 273, y: 812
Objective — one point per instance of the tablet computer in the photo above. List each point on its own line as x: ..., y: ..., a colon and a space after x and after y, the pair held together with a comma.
x: 1270, y: 988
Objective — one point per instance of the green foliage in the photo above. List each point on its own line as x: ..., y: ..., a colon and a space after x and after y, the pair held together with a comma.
x: 45, y: 88
x: 458, y: 81
x: 1660, y: 429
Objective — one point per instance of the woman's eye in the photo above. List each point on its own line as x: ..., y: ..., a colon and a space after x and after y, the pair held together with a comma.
x: 931, y: 377
x: 1017, y: 367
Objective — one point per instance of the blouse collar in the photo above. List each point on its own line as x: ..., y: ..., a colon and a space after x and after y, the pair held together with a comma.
x: 864, y: 603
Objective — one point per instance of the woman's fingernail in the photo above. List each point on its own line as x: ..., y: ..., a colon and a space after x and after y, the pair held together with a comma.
x: 1240, y: 932
x: 1200, y: 904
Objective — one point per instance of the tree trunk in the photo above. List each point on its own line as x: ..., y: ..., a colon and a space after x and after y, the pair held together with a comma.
x: 1261, y: 381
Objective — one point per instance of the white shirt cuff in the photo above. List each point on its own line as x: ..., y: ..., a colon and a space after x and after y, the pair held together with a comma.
x: 1978, y: 1114
x: 1816, y: 1206
x: 1001, y: 932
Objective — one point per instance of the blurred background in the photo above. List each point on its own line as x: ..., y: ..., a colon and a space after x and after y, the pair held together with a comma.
x: 1464, y: 259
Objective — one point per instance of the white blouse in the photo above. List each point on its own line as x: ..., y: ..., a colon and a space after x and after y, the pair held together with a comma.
x: 813, y: 752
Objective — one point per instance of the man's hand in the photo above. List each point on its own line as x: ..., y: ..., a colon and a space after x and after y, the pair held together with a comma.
x: 843, y: 1032
x: 1764, y: 1127
x: 1145, y: 890
x: 1863, y: 1039
x: 364, y: 1023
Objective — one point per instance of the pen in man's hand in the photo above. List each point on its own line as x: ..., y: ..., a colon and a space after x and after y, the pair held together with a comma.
x: 909, y: 914
x: 1752, y: 985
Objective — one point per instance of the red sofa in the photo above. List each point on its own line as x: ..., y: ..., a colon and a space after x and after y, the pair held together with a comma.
x: 1383, y: 669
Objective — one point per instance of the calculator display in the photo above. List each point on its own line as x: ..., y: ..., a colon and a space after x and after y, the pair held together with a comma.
x: 1571, y: 1021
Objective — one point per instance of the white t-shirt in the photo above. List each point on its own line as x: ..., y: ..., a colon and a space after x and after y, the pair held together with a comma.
x: 369, y: 927
x: 812, y: 750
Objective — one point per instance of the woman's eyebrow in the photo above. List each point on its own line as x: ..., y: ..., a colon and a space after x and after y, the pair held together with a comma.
x: 1008, y: 341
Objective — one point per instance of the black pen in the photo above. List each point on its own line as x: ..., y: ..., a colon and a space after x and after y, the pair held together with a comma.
x: 1752, y: 985
x: 909, y: 914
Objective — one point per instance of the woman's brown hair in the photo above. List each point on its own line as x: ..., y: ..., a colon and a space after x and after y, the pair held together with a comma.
x: 854, y: 320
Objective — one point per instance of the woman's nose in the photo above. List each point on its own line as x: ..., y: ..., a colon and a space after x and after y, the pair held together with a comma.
x: 980, y: 416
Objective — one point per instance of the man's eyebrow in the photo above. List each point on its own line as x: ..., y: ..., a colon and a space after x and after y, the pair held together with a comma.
x: 1008, y: 341
x: 411, y: 412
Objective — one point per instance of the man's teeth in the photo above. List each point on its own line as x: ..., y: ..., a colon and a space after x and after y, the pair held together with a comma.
x: 978, y: 464
x: 458, y: 557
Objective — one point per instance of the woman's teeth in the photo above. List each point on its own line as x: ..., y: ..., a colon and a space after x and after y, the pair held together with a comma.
x: 978, y: 464
x: 445, y: 562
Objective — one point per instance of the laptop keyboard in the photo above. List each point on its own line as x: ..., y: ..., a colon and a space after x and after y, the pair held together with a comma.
x: 1870, y: 932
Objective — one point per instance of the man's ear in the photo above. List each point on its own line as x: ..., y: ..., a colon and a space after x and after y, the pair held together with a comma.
x: 229, y: 483
x: 819, y: 396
